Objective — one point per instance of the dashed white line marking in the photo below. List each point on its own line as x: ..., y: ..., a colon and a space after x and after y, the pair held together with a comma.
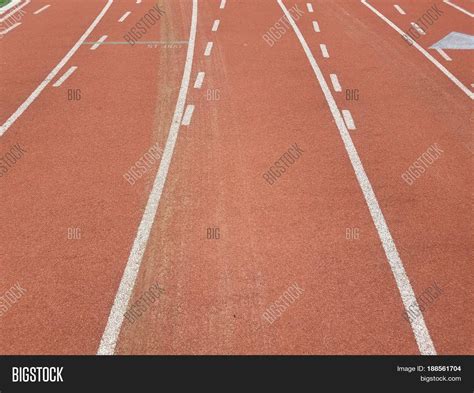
x: 139, y: 1
x: 348, y: 119
x: 66, y: 75
x: 98, y: 42
x: 459, y: 8
x: 310, y: 7
x: 443, y: 69
x: 188, y: 115
x: 223, y: 2
x: 3, y: 32
x: 418, y: 28
x: 41, y: 9
x: 335, y: 82
x: 444, y: 55
x: 208, y: 50
x: 122, y: 298
x: 399, y: 9
x: 53, y: 73
x: 124, y: 16
x: 324, y: 50
x: 316, y: 27
x: 420, y: 331
x: 199, y: 80
x: 215, y: 26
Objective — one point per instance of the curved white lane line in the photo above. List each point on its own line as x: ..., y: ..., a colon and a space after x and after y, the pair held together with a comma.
x: 127, y: 283
x: 422, y: 336
x: 23, y: 107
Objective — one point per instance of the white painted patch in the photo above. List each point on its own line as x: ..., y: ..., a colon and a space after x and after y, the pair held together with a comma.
x: 335, y: 82
x: 455, y: 40
x: 127, y: 283
x: 443, y: 69
x: 54, y: 72
x: 420, y: 331
x: 66, y: 75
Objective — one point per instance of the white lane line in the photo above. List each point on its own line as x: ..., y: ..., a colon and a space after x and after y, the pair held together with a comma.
x: 422, y: 336
x: 459, y: 8
x: 124, y: 292
x: 422, y: 50
x: 444, y: 54
x: 12, y: 4
x: 199, y: 80
x: 324, y: 51
x: 418, y: 28
x: 66, y: 75
x: 215, y: 26
x: 310, y: 7
x: 53, y: 73
x: 316, y: 27
x: 41, y: 9
x: 223, y: 2
x: 346, y: 114
x: 124, y: 16
x: 208, y: 50
x: 14, y: 10
x: 335, y: 82
x: 98, y: 42
x: 139, y: 1
x: 10, y: 29
x: 399, y: 9
x: 187, y: 115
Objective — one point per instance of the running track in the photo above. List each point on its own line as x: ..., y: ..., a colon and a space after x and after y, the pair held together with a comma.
x: 341, y: 223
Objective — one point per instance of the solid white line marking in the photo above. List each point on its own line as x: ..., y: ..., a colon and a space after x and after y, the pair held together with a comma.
x: 12, y: 4
x: 316, y: 27
x: 10, y: 29
x: 208, y: 50
x: 187, y: 115
x: 399, y: 9
x: 124, y: 292
x: 66, y: 75
x: 215, y: 26
x: 444, y: 54
x: 41, y: 9
x: 324, y: 50
x: 98, y: 42
x: 422, y: 50
x: 310, y: 7
x: 335, y: 82
x: 418, y: 28
x: 199, y: 80
x: 348, y: 119
x: 14, y: 10
x: 124, y: 16
x: 418, y: 325
x: 459, y: 8
x: 54, y: 72
x: 222, y: 4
